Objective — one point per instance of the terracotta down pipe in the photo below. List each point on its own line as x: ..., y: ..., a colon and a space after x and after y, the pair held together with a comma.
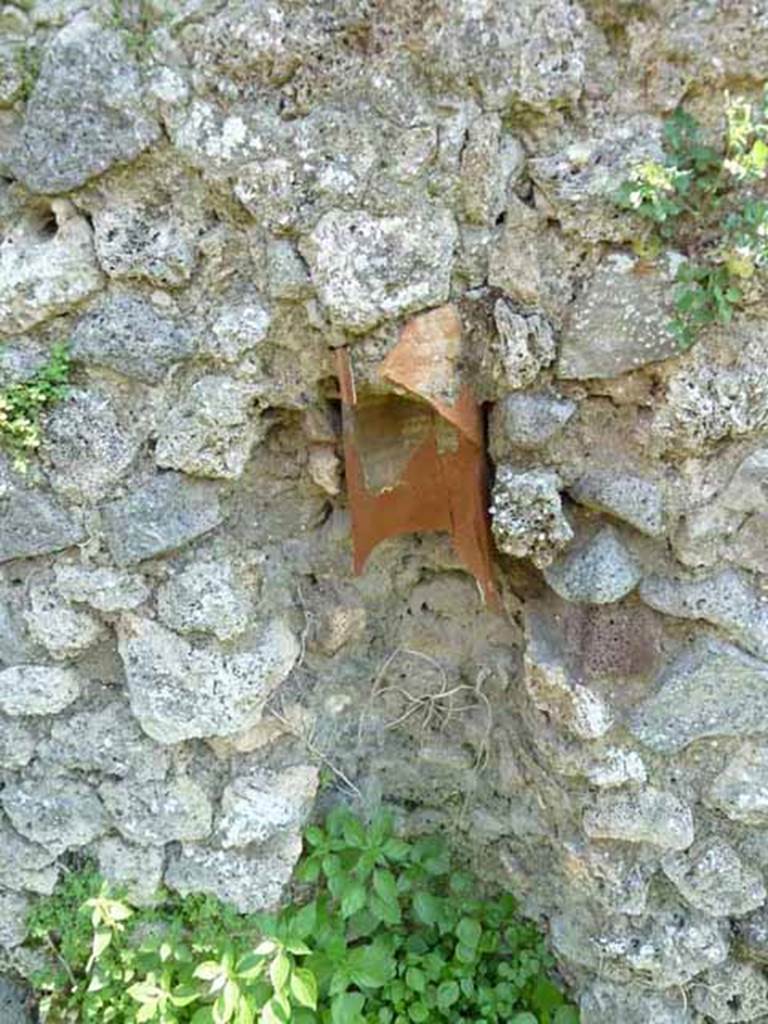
x: 415, y: 462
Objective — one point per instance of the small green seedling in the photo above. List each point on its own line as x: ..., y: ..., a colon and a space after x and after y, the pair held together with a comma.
x: 22, y: 405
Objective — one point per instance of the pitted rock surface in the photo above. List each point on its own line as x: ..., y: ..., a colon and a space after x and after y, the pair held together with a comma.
x: 366, y: 269
x: 601, y: 571
x: 207, y: 203
x: 85, y: 112
x: 713, y: 689
x: 127, y: 334
x: 169, y: 511
x: 179, y: 692
x: 620, y: 323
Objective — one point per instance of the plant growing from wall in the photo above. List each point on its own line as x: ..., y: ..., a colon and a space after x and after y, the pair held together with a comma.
x: 383, y: 931
x: 705, y: 203
x: 22, y: 405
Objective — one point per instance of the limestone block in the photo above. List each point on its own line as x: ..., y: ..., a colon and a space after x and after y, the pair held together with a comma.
x: 650, y: 815
x: 606, y: 1002
x: 552, y: 687
x: 252, y: 880
x: 25, y: 865
x: 663, y: 949
x: 58, y: 813
x: 513, y: 54
x: 106, y: 590
x: 484, y: 172
x: 628, y: 496
x: 287, y: 273
x: 37, y: 689
x: 367, y: 269
x: 514, y: 263
x: 136, y: 869
x: 741, y: 789
x: 211, y: 431
x: 714, y: 879
x: 712, y: 689
x: 264, y: 803
x: 205, y: 597
x: 88, y: 447
x: 731, y: 993
x: 47, y: 266
x: 86, y: 111
x: 107, y: 739
x: 708, y: 401
x: 620, y: 323
x: 527, y: 514
x: 747, y: 490
x: 34, y: 523
x: 178, y: 691
x: 124, y: 332
x: 14, y: 1000
x: 616, y: 767
x: 525, y: 345
x: 63, y: 630
x: 727, y: 599
x: 529, y: 420
x: 235, y: 327
x: 135, y: 240
x: 13, y: 913
x: 17, y: 743
x: 600, y: 571
x: 155, y: 813
x: 165, y: 513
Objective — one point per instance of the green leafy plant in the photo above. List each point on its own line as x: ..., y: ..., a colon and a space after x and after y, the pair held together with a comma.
x: 387, y: 932
x: 22, y: 405
x: 700, y: 202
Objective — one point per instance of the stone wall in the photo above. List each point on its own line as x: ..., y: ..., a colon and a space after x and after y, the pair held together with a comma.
x: 204, y: 198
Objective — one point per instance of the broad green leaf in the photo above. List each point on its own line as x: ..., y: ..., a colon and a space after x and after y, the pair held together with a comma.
x: 396, y: 849
x: 465, y: 954
x: 304, y: 921
x: 279, y: 971
x: 146, y: 1012
x: 101, y: 939
x: 469, y: 932
x: 390, y: 913
x: 265, y: 947
x: 354, y: 833
x: 418, y: 1013
x: 385, y: 886
x: 304, y: 987
x: 566, y: 1015
x: 315, y: 836
x: 416, y: 979
x: 208, y: 971
x: 353, y: 897
x: 346, y: 1008
x: 184, y: 995
x: 203, y: 1016
x: 427, y: 908
x: 272, y: 1013
x: 297, y: 948
x: 527, y: 1018
x: 370, y: 966
x: 250, y: 966
x: 447, y: 994
x: 332, y: 865
x: 245, y: 1013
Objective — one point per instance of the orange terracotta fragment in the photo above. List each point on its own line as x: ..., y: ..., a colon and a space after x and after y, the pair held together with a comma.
x: 415, y: 460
